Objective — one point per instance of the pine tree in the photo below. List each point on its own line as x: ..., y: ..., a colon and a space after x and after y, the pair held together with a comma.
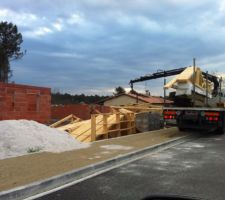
x: 10, y: 41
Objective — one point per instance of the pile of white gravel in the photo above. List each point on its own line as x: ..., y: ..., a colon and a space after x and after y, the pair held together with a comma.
x: 20, y: 137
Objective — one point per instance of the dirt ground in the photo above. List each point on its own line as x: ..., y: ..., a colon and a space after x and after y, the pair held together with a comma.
x: 23, y: 170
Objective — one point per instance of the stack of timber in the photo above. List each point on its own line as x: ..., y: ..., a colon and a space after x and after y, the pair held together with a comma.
x: 183, y: 83
x: 140, y: 108
x: 102, y: 126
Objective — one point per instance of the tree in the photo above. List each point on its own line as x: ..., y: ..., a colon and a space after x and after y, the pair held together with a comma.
x: 10, y: 41
x: 58, y: 98
x: 119, y: 90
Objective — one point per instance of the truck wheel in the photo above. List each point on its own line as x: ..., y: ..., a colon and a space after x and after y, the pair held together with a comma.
x: 181, y: 129
x: 220, y: 131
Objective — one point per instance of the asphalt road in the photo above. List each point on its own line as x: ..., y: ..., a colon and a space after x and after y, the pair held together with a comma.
x: 195, y: 168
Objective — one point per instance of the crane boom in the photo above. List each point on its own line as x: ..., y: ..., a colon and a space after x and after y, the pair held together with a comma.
x: 157, y: 75
x: 173, y: 72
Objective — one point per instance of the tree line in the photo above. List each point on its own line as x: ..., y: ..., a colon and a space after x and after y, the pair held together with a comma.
x: 58, y: 98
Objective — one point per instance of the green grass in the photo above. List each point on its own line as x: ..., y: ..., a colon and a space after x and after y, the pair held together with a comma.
x: 33, y: 149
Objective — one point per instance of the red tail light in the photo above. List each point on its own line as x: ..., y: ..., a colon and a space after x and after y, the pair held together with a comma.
x: 212, y: 114
x: 212, y: 118
x: 170, y: 114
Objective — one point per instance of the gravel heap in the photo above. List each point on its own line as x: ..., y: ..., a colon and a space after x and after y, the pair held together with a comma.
x: 20, y: 137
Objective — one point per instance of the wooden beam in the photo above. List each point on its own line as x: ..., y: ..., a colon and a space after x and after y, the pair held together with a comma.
x: 93, y: 127
x: 133, y: 123
x: 67, y: 118
x: 129, y: 124
x: 105, y: 126
x: 118, y: 124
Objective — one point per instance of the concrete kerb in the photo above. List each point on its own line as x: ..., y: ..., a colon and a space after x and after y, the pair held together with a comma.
x: 57, y: 181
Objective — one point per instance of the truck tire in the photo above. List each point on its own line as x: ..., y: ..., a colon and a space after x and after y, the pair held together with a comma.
x: 220, y: 131
x: 181, y: 129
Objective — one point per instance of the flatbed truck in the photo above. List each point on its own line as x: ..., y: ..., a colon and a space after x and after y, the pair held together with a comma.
x: 184, y: 113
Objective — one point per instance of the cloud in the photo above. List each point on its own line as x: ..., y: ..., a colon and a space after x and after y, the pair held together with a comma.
x: 58, y: 25
x: 102, y: 43
x: 37, y: 32
x: 65, y: 55
x: 23, y: 19
x: 221, y: 5
x: 75, y: 19
x: 35, y: 26
x: 139, y: 21
x: 30, y: 24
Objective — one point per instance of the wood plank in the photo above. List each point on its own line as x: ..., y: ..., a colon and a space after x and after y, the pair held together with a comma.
x: 101, y: 125
x: 93, y: 127
x: 105, y: 126
x: 118, y: 124
x: 69, y: 117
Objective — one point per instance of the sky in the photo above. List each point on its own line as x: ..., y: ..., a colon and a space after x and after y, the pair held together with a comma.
x: 93, y: 46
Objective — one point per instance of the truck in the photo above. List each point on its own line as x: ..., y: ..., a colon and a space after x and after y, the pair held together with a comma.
x: 198, y: 99
x: 196, y: 118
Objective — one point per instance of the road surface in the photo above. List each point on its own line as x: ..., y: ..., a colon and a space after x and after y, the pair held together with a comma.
x: 195, y: 168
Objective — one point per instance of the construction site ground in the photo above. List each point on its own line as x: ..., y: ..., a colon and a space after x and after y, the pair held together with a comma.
x: 26, y: 169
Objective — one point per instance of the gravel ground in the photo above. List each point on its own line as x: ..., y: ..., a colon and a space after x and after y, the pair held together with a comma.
x: 29, y: 168
x: 21, y: 137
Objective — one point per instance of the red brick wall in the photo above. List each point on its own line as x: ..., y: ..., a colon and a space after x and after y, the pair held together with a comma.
x: 25, y: 102
x: 82, y: 111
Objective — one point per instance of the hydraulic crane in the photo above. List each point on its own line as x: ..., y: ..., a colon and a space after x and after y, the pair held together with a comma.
x: 165, y: 73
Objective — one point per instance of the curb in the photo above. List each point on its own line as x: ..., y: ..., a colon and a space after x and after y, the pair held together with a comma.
x: 35, y: 188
